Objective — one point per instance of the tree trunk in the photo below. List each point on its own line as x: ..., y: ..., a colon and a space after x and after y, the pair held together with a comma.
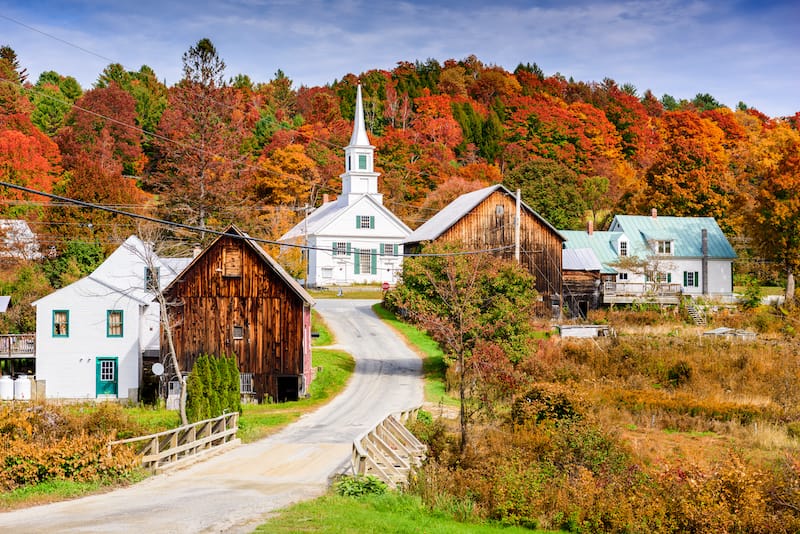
x: 165, y: 323
x: 462, y: 395
x: 789, y: 298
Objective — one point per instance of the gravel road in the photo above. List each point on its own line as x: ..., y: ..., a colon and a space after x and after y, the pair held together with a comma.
x: 236, y: 490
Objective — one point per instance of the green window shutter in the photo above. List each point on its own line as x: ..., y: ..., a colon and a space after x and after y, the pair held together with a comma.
x: 372, y: 222
x: 685, y: 278
x: 333, y: 248
x: 669, y: 278
x: 358, y: 221
x: 696, y: 279
x: 356, y: 261
x: 374, y: 262
x: 395, y: 250
x: 348, y: 248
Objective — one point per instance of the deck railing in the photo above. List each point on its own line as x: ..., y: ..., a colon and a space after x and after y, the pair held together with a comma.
x: 17, y: 345
x: 174, y: 447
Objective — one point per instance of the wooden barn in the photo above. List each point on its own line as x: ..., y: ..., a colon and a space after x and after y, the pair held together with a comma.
x: 485, y: 219
x: 233, y: 298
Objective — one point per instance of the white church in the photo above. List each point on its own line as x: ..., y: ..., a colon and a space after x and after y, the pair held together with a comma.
x: 353, y: 239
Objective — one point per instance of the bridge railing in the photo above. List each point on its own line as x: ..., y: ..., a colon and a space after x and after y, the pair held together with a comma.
x: 176, y: 446
x: 388, y: 450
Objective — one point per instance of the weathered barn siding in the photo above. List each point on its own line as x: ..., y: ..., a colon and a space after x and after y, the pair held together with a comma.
x: 582, y: 291
x: 490, y: 225
x: 231, y: 301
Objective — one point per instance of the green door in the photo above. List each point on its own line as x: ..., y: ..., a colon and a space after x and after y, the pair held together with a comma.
x: 106, y: 376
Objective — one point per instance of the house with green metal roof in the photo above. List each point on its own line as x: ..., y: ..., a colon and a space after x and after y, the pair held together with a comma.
x: 661, y: 258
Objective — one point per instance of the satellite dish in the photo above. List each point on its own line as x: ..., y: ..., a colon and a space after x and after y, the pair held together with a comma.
x: 158, y: 369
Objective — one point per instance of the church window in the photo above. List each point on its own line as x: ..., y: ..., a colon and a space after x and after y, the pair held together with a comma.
x: 362, y: 161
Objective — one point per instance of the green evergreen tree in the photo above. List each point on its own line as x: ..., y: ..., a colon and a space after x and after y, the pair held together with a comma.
x: 196, y: 399
x: 214, y: 408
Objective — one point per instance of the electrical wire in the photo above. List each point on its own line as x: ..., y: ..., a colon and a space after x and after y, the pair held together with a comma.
x: 199, y: 230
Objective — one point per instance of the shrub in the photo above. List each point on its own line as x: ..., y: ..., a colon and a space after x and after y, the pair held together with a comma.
x: 213, y: 388
x: 358, y: 486
x: 547, y: 402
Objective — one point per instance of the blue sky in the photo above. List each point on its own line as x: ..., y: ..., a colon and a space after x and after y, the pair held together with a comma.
x: 735, y: 50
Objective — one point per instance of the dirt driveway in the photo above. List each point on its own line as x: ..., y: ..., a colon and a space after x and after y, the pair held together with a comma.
x: 236, y: 490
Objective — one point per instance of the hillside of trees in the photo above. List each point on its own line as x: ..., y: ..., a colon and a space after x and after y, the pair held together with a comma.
x: 217, y: 148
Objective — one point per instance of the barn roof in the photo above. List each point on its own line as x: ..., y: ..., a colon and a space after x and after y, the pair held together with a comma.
x: 580, y: 259
x: 233, y: 231
x: 602, y: 245
x: 457, y: 209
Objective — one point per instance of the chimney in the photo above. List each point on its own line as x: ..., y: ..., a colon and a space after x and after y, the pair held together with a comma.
x: 654, y: 213
x: 324, y: 198
x: 590, y: 227
x: 196, y: 250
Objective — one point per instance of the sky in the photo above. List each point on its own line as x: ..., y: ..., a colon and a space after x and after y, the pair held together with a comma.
x: 736, y: 51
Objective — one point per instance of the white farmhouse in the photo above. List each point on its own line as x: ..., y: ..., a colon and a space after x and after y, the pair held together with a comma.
x: 91, y: 335
x: 675, y: 256
x: 353, y: 239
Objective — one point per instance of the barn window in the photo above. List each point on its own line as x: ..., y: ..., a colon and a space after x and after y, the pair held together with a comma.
x: 246, y: 384
x: 232, y: 261
x: 238, y: 332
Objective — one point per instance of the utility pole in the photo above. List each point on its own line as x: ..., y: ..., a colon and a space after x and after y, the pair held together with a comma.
x: 516, y: 226
x: 306, y: 254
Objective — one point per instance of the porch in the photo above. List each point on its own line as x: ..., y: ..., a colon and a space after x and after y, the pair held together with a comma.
x: 630, y: 292
x: 15, y: 346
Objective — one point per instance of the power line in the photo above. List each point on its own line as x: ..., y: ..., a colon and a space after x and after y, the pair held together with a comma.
x: 197, y: 229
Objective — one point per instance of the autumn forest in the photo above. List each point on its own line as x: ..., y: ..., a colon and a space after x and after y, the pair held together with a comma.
x: 217, y: 148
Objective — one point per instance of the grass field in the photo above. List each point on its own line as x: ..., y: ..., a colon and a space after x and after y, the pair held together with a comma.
x: 389, y: 513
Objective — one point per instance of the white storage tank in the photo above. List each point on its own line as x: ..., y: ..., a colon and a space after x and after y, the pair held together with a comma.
x: 6, y: 388
x: 22, y: 388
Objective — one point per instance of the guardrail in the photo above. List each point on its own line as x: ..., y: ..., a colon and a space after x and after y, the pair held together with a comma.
x: 177, y: 446
x: 17, y: 345
x: 389, y: 450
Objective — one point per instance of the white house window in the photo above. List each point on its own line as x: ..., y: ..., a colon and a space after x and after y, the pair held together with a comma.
x: 151, y: 278
x: 339, y: 248
x: 662, y: 278
x: 691, y: 279
x: 362, y: 161
x: 60, y: 323
x: 388, y: 249
x: 365, y: 260
x: 366, y: 221
x: 114, y: 323
x: 622, y: 277
x: 623, y: 248
x: 664, y: 247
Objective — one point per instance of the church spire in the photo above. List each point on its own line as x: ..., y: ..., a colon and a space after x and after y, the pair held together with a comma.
x: 359, y: 137
x: 359, y: 177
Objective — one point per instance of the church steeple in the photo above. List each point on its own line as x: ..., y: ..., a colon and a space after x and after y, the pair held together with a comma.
x: 359, y: 177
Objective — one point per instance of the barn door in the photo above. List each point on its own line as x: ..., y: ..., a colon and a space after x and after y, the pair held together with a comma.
x: 106, y: 376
